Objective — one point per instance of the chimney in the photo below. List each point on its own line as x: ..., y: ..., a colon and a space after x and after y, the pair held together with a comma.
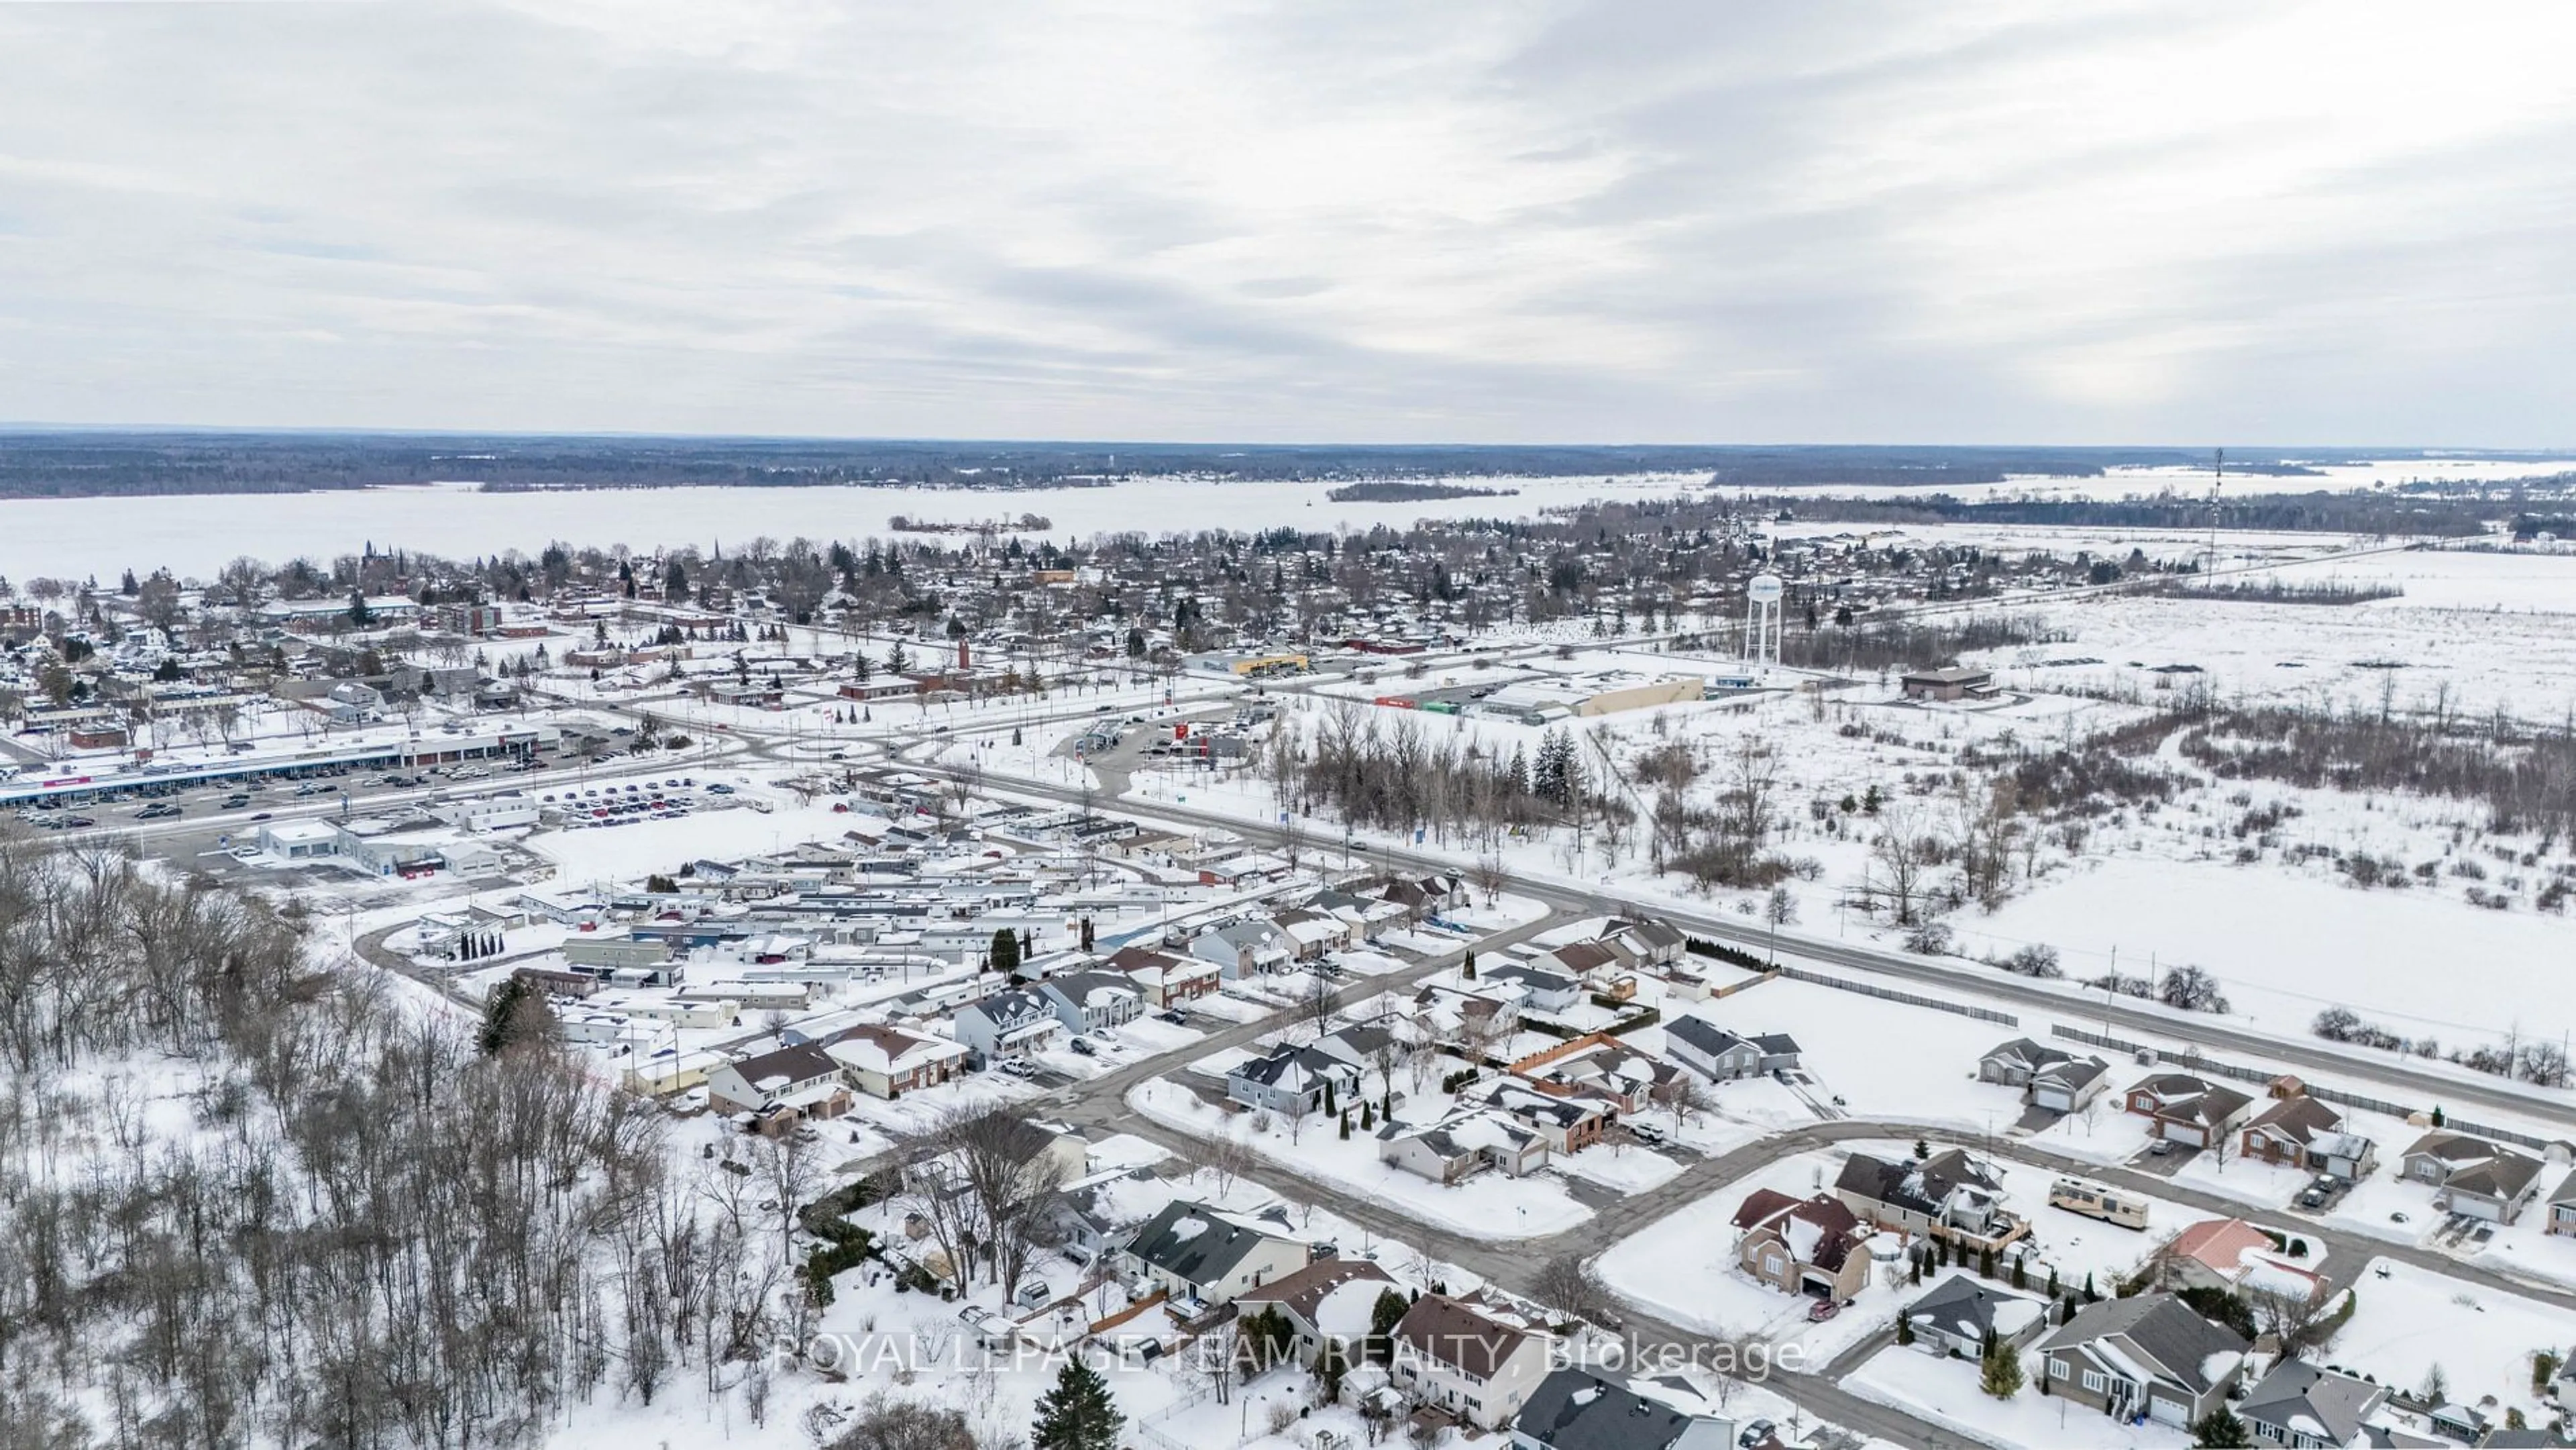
x: 962, y: 666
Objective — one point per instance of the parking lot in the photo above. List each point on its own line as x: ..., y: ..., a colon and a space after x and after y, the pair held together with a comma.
x: 626, y: 803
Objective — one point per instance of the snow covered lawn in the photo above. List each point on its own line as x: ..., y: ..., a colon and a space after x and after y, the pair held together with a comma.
x: 1625, y: 1168
x: 1946, y: 1392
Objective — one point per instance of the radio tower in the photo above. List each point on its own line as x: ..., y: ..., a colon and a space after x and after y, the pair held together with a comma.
x: 2218, y: 475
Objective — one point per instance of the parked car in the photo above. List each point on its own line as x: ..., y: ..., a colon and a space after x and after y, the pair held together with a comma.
x: 1082, y: 1047
x: 1822, y: 1310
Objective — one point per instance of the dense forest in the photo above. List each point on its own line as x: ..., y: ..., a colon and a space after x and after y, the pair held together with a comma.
x: 249, y: 1199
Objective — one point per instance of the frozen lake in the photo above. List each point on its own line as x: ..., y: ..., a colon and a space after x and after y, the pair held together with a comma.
x: 195, y: 535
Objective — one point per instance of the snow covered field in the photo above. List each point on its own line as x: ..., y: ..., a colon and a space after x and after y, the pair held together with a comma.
x: 2287, y: 944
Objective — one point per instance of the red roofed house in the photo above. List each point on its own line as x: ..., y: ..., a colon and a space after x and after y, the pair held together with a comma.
x: 1802, y: 1246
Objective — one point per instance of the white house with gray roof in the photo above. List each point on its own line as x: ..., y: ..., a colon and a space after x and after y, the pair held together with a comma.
x: 1015, y: 1023
x: 1192, y: 1251
x: 1089, y: 1001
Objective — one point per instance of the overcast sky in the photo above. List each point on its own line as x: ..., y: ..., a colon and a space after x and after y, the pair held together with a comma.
x: 1499, y: 222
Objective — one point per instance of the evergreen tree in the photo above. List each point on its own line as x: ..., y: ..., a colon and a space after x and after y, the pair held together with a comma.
x: 2001, y: 1374
x: 2220, y: 1430
x: 1904, y: 1328
x: 2020, y: 1272
x: 1467, y: 968
x: 1006, y: 951
x: 1346, y: 1127
x: 1078, y: 1413
x: 1384, y: 1315
x: 1985, y: 1263
x: 514, y: 1015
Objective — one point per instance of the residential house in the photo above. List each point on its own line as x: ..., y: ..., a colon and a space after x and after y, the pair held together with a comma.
x: 1328, y: 1301
x: 1961, y: 1313
x: 1013, y: 1023
x: 1715, y: 1053
x: 2287, y: 1134
x: 1090, y: 1001
x: 2015, y: 1062
x: 1583, y: 960
x: 1313, y: 933
x: 1244, y: 948
x: 2049, y: 1077
x: 1598, y: 1066
x: 805, y: 1078
x: 2475, y: 1177
x: 2308, y: 1408
x: 2230, y: 1254
x: 1291, y: 1080
x: 2147, y: 1355
x: 1802, y: 1245
x: 2351, y: 1157
x: 887, y: 1062
x: 1569, y: 1124
x: 1423, y: 897
x: 1089, y: 1223
x: 1655, y: 943
x: 1058, y: 1148
x: 2069, y: 1086
x: 1472, y: 1023
x: 1542, y: 990
x: 1462, y: 1145
x: 1363, y: 1045
x: 2562, y: 1207
x: 1576, y: 1408
x: 2186, y: 1109
x: 1477, y: 1368
x: 1166, y: 980
x: 1948, y: 1195
x: 1193, y: 1252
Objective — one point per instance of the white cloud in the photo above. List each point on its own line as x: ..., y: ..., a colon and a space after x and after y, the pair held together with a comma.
x: 1509, y: 222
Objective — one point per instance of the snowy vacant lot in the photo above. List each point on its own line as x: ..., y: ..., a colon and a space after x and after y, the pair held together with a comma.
x: 2408, y: 1322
